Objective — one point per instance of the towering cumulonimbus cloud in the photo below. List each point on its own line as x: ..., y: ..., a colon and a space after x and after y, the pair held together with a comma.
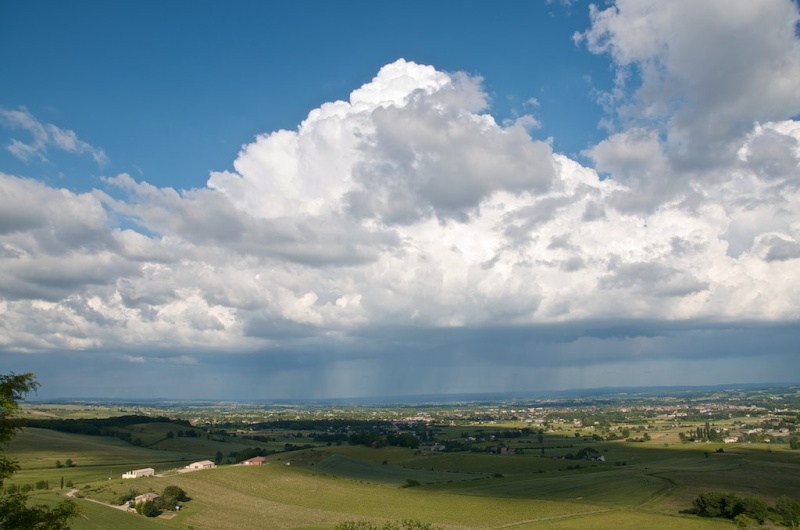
x: 411, y: 143
x: 410, y: 205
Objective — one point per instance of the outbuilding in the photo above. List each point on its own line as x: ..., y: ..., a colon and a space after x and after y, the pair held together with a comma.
x: 137, y: 473
x: 203, y: 464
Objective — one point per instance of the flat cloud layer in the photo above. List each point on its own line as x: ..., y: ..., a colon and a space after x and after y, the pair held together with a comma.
x: 405, y: 231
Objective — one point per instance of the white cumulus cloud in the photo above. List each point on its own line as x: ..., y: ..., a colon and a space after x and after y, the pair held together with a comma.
x: 406, y: 219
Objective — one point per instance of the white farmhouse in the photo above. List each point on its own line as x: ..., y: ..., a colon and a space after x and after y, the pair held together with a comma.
x: 203, y: 464
x: 136, y: 473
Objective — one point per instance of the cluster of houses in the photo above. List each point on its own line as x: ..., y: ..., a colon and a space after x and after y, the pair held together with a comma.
x: 194, y: 466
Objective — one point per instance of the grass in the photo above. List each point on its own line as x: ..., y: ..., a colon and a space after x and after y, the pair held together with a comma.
x: 459, y: 490
x: 488, y: 463
x: 94, y: 516
x: 348, y: 467
x: 95, y: 457
x: 70, y: 411
x: 629, y: 520
x: 277, y: 496
x: 614, y: 488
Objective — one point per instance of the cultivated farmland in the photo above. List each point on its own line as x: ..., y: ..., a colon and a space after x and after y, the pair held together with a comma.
x: 456, y: 467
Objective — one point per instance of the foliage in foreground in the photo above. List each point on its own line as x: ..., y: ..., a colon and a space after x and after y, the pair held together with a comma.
x: 14, y: 510
x: 744, y: 510
x: 407, y: 524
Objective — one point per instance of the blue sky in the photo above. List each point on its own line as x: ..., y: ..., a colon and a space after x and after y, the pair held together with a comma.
x: 326, y: 199
x: 171, y: 91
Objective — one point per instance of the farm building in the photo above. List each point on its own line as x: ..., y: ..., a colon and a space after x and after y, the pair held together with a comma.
x: 150, y: 496
x: 255, y: 461
x: 203, y: 464
x: 136, y: 473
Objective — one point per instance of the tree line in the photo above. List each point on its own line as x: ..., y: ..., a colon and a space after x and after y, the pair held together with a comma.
x: 115, y: 427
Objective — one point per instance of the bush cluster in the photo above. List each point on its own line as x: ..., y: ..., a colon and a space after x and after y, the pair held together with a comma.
x: 391, y: 525
x: 743, y: 510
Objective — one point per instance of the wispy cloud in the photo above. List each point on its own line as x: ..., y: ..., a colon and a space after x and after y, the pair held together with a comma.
x: 45, y: 136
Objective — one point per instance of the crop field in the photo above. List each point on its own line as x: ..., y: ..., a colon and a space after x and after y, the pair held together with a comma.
x: 351, y: 468
x: 617, y: 488
x: 68, y: 411
x: 458, y: 476
x: 95, y: 457
x: 276, y: 495
x: 94, y: 516
x: 458, y: 491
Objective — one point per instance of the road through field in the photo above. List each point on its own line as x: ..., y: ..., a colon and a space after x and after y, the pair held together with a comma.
x: 552, y: 518
x: 73, y: 491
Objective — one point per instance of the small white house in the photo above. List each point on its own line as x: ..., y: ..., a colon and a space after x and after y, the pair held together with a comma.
x: 203, y: 464
x: 136, y: 473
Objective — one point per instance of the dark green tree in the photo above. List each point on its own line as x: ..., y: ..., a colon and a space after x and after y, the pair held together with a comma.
x: 753, y: 508
x: 170, y: 497
x: 714, y: 504
x: 789, y: 510
x: 147, y: 508
x: 218, y: 458
x: 14, y: 509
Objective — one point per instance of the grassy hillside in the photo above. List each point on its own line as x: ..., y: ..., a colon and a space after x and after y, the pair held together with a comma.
x: 362, y: 470
x: 95, y: 457
x: 94, y: 516
x: 326, y: 485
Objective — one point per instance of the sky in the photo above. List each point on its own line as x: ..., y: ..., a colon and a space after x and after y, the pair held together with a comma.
x: 258, y: 200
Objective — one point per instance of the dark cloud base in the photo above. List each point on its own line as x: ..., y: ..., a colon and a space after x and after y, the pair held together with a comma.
x: 410, y: 361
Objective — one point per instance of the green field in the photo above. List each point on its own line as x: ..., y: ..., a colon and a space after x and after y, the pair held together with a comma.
x: 639, y: 484
x: 94, y: 516
x: 95, y: 457
x: 362, y: 470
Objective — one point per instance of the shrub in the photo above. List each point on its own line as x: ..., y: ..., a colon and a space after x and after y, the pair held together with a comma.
x: 170, y: 497
x: 742, y: 521
x: 407, y: 524
x: 147, y: 508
